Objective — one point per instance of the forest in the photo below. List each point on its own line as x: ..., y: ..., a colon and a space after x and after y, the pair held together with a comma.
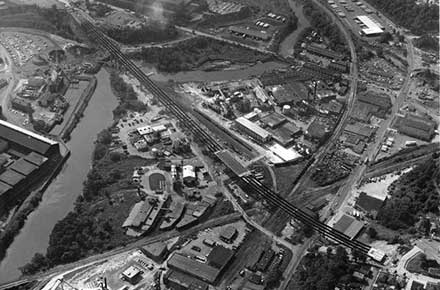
x: 153, y: 32
x: 128, y: 99
x: 325, y: 26
x: 419, y: 18
x: 191, y: 54
x: 413, y: 194
x: 427, y: 42
x: 323, y: 271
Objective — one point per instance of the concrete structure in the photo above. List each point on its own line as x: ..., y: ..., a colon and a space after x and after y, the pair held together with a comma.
x: 251, y: 33
x: 156, y: 251
x: 181, y: 281
x: 253, y: 130
x: 349, y: 226
x: 132, y: 274
x: 287, y: 155
x: 228, y: 234
x: 416, y: 126
x: 226, y: 157
x: 193, y: 268
x: 372, y: 27
x: 189, y: 174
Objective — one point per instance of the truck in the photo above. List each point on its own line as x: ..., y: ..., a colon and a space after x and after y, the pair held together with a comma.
x: 410, y: 143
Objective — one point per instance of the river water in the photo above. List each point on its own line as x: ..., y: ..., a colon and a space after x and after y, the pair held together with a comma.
x: 286, y: 46
x: 59, y: 198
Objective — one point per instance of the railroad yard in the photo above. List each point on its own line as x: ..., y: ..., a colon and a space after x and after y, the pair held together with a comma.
x: 326, y: 164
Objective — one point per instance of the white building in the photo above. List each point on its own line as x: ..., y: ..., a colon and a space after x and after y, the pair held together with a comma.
x: 372, y: 27
x: 188, y: 174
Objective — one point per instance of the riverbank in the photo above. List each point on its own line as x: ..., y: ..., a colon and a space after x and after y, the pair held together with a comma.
x: 61, y: 193
x: 80, y: 106
x: 18, y: 220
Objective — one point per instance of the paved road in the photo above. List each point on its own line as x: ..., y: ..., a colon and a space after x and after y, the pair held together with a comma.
x: 342, y: 198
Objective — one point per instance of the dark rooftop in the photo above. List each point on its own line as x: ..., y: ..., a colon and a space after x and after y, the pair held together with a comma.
x: 35, y: 158
x: 220, y: 256
x: 187, y: 282
x: 231, y: 162
x: 11, y: 177
x: 23, y: 167
x: 4, y: 188
x: 381, y: 100
x: 192, y: 267
x: 25, y: 138
x: 416, y: 126
x: 368, y: 203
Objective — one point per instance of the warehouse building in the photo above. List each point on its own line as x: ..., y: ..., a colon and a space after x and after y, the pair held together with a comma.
x: 26, y: 158
x: 323, y: 52
x: 370, y: 26
x: 253, y: 130
x: 416, y: 126
x: 251, y: 33
x: 177, y: 280
x: 192, y: 267
x: 348, y: 225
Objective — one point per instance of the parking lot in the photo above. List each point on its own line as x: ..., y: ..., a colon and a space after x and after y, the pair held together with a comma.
x: 23, y: 46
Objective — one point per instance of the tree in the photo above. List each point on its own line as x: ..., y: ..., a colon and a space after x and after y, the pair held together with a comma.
x: 372, y: 233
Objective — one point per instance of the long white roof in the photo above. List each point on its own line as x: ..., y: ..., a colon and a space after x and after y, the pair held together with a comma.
x: 253, y: 127
x: 283, y: 153
x: 27, y: 132
x: 372, y: 26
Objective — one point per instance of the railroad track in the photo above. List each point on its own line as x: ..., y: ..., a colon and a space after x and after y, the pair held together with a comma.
x: 214, y: 146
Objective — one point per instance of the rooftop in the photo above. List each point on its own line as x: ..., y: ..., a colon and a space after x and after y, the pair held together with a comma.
x: 226, y: 157
x: 11, y: 177
x: 35, y: 158
x: 220, y: 256
x: 4, y: 188
x: 250, y: 32
x: 253, y: 127
x: 138, y: 214
x: 359, y: 129
x: 185, y: 281
x: 191, y: 267
x: 283, y: 153
x: 349, y: 226
x: 23, y: 167
x: 372, y: 26
x: 26, y: 138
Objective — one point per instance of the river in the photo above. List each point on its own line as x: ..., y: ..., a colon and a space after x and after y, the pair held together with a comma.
x: 286, y: 46
x: 59, y: 198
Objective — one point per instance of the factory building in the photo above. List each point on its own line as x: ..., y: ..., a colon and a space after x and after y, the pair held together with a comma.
x: 253, y: 130
x: 251, y: 33
x: 25, y: 158
x: 189, y: 175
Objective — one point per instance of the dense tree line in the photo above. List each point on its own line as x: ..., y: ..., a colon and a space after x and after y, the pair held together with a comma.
x: 321, y: 22
x: 192, y: 53
x: 128, y: 100
x: 427, y: 42
x: 323, y: 270
x: 85, y: 230
x: 51, y: 19
x: 412, y: 194
x: 146, y: 33
x: 419, y: 18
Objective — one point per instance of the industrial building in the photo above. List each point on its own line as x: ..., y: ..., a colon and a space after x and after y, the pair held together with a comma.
x: 177, y: 280
x: 369, y: 27
x: 209, y: 272
x: 323, y: 52
x: 26, y: 158
x: 253, y: 130
x: 228, y: 234
x: 286, y: 155
x: 249, y: 32
x: 348, y: 225
x: 156, y: 251
x: 416, y: 126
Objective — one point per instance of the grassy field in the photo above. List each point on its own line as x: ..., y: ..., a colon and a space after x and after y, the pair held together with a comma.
x: 287, y: 175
